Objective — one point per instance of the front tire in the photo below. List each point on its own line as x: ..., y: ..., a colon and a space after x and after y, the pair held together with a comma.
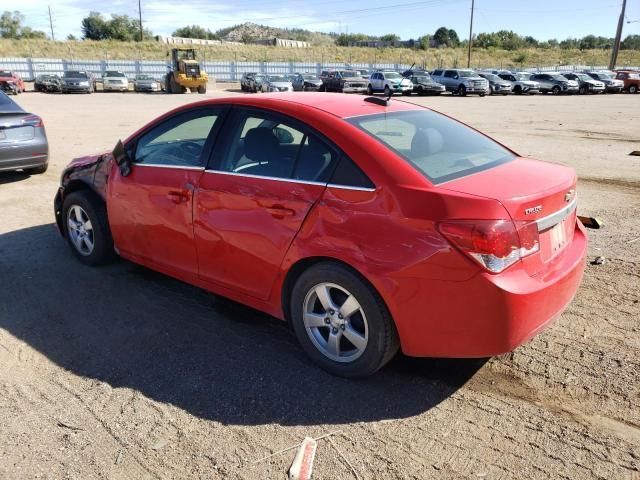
x: 202, y: 89
x: 341, y: 321
x: 633, y: 89
x: 387, y: 91
x: 462, y: 91
x: 84, y: 219
x: 369, y: 90
x: 555, y: 90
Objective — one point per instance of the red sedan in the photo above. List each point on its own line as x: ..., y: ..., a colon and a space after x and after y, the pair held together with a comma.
x: 367, y: 225
x: 11, y: 82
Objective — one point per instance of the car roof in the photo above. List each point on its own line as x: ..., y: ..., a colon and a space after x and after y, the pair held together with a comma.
x: 339, y: 105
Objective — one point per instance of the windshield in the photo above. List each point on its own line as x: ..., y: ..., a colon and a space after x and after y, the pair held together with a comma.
x: 557, y: 76
x: 46, y: 77
x: 492, y: 77
x: 349, y: 74
x: 392, y: 75
x: 439, y: 147
x: 467, y: 73
x: 583, y: 76
x: 422, y: 78
x: 113, y: 74
x: 602, y: 75
x: 74, y: 74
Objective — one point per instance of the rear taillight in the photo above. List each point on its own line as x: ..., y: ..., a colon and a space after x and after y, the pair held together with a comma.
x: 33, y: 121
x: 494, y: 244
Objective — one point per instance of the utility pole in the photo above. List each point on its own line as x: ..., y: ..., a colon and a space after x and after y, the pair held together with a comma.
x: 616, y: 43
x: 471, y: 35
x: 140, y: 14
x: 51, y: 23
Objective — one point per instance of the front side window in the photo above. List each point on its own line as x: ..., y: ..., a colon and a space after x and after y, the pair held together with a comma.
x: 450, y: 74
x: 266, y: 145
x: 440, y: 148
x: 179, y: 141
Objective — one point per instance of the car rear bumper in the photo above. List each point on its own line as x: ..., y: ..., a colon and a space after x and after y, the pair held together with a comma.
x: 29, y: 154
x: 117, y: 88
x: 490, y: 314
x: 75, y: 88
x: 613, y: 89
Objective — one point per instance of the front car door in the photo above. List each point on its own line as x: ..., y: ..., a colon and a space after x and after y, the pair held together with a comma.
x: 264, y: 177
x: 151, y: 209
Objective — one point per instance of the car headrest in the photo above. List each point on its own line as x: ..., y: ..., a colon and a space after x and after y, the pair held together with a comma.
x: 260, y: 144
x: 426, y: 141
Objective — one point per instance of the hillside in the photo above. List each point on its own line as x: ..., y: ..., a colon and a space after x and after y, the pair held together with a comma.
x: 431, y: 58
x: 251, y: 31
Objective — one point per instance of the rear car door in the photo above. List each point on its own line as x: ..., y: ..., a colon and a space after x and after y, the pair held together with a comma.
x: 264, y: 177
x: 151, y: 209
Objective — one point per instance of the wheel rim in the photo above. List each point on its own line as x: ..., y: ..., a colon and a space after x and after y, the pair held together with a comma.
x: 80, y: 230
x: 335, y: 322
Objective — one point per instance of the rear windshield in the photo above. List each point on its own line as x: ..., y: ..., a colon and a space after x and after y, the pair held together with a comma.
x: 111, y: 73
x: 75, y: 74
x: 439, y: 147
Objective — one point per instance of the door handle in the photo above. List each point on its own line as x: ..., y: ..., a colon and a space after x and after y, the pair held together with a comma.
x: 280, y: 211
x: 178, y: 196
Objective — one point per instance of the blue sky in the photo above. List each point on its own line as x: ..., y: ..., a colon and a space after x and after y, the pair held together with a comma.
x: 407, y: 18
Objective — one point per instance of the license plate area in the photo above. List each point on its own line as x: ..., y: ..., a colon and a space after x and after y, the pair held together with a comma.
x: 558, y: 237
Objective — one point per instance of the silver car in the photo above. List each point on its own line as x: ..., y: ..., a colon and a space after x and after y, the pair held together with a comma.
x: 276, y: 83
x: 146, y: 83
x: 23, y: 140
x: 307, y: 82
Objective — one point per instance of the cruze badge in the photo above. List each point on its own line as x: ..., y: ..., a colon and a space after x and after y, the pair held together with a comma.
x: 569, y: 195
x: 536, y: 209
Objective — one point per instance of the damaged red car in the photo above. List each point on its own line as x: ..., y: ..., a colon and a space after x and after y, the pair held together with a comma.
x: 368, y: 225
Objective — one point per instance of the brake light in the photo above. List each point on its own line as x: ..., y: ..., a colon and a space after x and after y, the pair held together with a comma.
x: 33, y: 121
x: 494, y: 244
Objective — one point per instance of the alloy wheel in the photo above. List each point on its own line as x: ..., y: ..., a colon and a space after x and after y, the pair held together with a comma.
x: 80, y: 230
x: 335, y: 322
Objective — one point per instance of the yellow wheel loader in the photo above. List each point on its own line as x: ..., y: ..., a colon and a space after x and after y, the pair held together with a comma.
x: 185, y: 72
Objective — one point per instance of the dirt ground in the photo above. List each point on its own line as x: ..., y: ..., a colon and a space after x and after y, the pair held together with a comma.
x: 122, y: 373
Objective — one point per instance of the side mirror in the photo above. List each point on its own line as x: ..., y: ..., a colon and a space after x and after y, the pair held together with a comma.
x: 456, y: 76
x: 122, y: 159
x: 283, y: 135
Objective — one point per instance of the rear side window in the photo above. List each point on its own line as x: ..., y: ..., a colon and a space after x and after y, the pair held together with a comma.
x: 348, y: 174
x: 439, y: 147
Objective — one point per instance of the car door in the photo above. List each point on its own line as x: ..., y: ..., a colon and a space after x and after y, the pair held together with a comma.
x: 151, y: 209
x: 449, y: 79
x: 264, y: 177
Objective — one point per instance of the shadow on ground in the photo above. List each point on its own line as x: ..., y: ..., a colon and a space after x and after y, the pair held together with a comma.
x: 11, y: 177
x: 131, y: 327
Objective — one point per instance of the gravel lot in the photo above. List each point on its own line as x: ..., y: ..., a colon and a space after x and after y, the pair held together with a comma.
x: 120, y: 372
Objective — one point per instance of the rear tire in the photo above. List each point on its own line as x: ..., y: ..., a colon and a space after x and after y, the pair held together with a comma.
x: 202, y: 89
x: 583, y: 90
x: 37, y: 170
x: 369, y: 90
x: 517, y: 90
x: 86, y: 227
x: 555, y: 90
x: 462, y: 91
x: 387, y: 91
x: 369, y: 324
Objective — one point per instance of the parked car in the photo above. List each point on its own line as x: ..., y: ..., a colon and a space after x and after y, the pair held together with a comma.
x: 461, y: 81
x: 520, y: 83
x: 114, y: 80
x: 47, y: 83
x: 23, y: 140
x: 611, y: 84
x: 276, y: 83
x: 344, y: 81
x: 11, y: 82
x: 307, y: 82
x: 630, y: 79
x: 389, y: 82
x: 497, y: 85
x: 586, y: 84
x: 255, y: 82
x: 146, y: 83
x: 367, y: 225
x: 364, y: 73
x: 555, y: 83
x: 77, y: 81
x: 423, y: 84
x: 245, y: 81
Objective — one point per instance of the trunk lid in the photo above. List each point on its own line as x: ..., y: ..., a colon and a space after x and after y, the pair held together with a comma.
x: 12, y: 128
x: 530, y: 191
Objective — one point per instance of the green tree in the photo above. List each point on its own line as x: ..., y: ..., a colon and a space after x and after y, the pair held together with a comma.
x: 631, y: 42
x: 390, y: 37
x: 424, y: 41
x: 94, y: 27
x: 11, y: 27
x: 195, y: 31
